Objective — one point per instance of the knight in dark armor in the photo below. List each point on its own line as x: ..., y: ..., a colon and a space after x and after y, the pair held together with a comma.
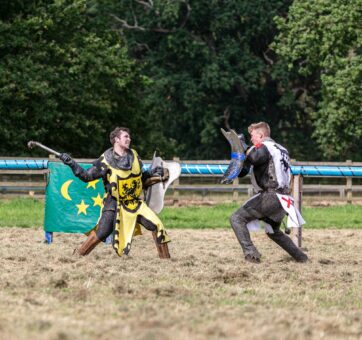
x: 271, y: 177
x: 123, y: 210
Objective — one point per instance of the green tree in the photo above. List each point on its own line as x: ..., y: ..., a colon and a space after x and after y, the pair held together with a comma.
x: 320, y: 43
x: 65, y: 78
x: 209, y: 66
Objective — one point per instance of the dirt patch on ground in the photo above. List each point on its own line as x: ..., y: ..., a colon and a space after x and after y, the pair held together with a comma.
x: 206, y: 291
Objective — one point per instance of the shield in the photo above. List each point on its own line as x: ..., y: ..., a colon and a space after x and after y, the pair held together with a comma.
x: 237, y: 156
x: 155, y: 194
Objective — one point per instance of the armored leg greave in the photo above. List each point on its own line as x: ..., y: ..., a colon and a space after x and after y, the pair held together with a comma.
x: 90, y: 243
x: 287, y: 244
x: 162, y: 248
x: 106, y: 224
x: 238, y: 222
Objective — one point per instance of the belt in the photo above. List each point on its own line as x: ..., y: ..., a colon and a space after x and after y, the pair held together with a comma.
x: 284, y: 191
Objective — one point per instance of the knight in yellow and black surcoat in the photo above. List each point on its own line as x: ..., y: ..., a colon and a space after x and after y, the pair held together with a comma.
x: 126, y: 189
x: 123, y: 210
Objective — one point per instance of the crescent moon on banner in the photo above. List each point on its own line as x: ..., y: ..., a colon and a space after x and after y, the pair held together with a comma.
x: 64, y: 190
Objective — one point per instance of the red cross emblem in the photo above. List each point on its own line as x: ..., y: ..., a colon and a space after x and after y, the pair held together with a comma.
x: 289, y: 201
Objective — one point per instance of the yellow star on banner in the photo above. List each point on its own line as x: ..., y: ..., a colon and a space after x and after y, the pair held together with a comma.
x: 92, y: 184
x: 82, y: 208
x: 97, y: 200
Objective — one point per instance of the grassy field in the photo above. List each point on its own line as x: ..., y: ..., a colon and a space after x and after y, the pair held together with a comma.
x: 205, y: 291
x: 21, y: 212
x: 347, y: 216
x: 30, y: 213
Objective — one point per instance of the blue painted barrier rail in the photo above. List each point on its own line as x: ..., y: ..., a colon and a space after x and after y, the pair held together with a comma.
x: 208, y: 169
x: 23, y: 164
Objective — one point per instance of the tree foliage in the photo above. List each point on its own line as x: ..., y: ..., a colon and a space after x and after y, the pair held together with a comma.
x: 321, y: 41
x: 65, y: 78
x: 177, y: 71
x: 209, y: 66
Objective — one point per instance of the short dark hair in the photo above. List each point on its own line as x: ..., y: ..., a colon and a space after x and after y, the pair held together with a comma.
x: 116, y: 133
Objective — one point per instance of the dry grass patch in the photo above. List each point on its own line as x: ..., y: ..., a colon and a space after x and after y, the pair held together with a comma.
x: 206, y: 291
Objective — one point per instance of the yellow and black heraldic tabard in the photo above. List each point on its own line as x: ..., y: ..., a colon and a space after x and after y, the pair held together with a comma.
x: 126, y: 189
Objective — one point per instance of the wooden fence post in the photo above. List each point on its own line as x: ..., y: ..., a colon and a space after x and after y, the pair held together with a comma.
x: 235, y: 189
x: 349, y: 185
x: 297, y: 195
x: 250, y: 191
x: 175, y: 184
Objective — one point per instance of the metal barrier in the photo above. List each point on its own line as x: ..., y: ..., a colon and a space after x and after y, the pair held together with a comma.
x: 28, y: 177
x: 207, y: 168
x: 32, y: 167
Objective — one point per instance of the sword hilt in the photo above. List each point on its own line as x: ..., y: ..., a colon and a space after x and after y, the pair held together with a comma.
x: 32, y: 144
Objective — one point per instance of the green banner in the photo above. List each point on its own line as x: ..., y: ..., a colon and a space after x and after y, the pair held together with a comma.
x: 71, y: 206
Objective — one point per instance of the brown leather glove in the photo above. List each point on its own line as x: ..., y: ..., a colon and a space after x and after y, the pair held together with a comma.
x: 157, y: 178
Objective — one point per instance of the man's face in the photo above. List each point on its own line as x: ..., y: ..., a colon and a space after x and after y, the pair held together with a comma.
x: 123, y: 140
x: 257, y: 137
